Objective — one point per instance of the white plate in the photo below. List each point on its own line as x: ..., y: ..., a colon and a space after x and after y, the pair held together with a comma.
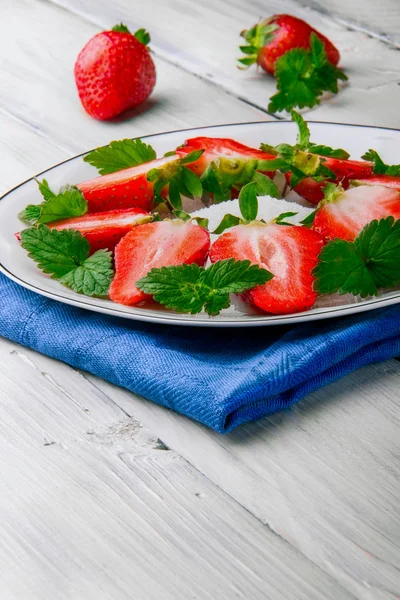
x: 16, y: 264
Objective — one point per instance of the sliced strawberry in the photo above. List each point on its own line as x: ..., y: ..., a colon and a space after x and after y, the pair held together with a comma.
x: 289, y: 252
x: 220, y: 147
x: 127, y: 188
x: 387, y: 180
x: 104, y: 229
x: 348, y: 212
x: 158, y: 244
x: 345, y: 171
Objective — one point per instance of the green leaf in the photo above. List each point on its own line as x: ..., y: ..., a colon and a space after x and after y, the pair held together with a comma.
x: 170, y: 153
x: 247, y: 61
x: 190, y: 288
x: 248, y: 202
x: 302, y: 76
x: 280, y: 220
x: 142, y: 36
x: 309, y: 220
x: 327, y: 151
x: 174, y: 194
x: 191, y: 157
x: 380, y: 167
x: 192, y: 183
x: 45, y: 190
x: 31, y: 214
x: 265, y: 186
x: 70, y: 202
x: 93, y: 277
x: 303, y: 135
x: 181, y: 214
x: 361, y: 267
x: 227, y: 222
x: 121, y: 28
x: 249, y: 50
x: 64, y: 255
x: 120, y: 155
x: 202, y: 221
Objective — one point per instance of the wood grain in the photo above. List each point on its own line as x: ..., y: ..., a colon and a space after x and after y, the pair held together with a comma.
x: 324, y: 475
x: 373, y: 67
x: 95, y: 507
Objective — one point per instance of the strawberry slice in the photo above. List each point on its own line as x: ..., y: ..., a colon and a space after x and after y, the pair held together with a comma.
x: 220, y: 147
x: 289, y: 252
x: 387, y: 180
x: 104, y: 229
x: 343, y: 214
x: 345, y: 171
x: 158, y: 244
x: 127, y: 188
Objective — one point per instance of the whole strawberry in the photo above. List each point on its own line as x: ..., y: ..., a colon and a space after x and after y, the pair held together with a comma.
x: 114, y: 72
x: 273, y: 37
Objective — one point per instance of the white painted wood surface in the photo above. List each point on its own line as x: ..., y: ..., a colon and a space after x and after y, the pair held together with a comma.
x: 94, y: 506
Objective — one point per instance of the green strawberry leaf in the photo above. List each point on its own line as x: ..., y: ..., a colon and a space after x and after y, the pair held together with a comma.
x: 380, y: 167
x: 182, y: 181
x: 190, y: 288
x: 70, y: 202
x: 265, y: 186
x: 302, y: 76
x: 303, y: 134
x: 119, y: 155
x: 64, y: 255
x: 328, y: 151
x: 256, y: 37
x: 202, y: 221
x: 308, y: 221
x: 280, y: 219
x: 142, y: 36
x: 248, y: 202
x: 227, y: 222
x: 364, y: 266
x: 120, y: 28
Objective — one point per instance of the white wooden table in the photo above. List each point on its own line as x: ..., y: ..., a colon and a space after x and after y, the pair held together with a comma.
x: 105, y: 495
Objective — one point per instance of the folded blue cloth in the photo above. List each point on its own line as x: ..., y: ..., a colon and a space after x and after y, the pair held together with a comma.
x: 221, y: 378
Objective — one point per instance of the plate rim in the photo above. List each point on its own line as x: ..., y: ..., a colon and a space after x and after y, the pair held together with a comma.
x: 175, y: 318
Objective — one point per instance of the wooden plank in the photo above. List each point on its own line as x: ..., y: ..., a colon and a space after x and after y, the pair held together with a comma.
x: 95, y: 507
x: 40, y: 42
x: 324, y: 475
x: 370, y: 64
x: 381, y: 20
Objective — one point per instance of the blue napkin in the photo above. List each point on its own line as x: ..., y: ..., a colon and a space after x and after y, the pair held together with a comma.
x: 221, y: 378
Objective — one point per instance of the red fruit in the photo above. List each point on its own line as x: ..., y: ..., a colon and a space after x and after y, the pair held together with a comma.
x: 123, y: 189
x: 289, y: 252
x: 290, y: 32
x: 114, y: 72
x: 346, y: 214
x: 220, y: 147
x: 104, y: 229
x: 345, y: 171
x: 387, y: 180
x: 158, y: 244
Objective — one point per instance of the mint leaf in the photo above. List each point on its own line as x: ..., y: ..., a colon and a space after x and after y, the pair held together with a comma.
x: 45, y: 190
x: 64, y: 255
x: 323, y: 150
x: 361, y: 267
x: 190, y: 288
x: 302, y: 76
x: 93, y: 277
x: 380, y: 167
x: 119, y: 155
x: 70, y: 202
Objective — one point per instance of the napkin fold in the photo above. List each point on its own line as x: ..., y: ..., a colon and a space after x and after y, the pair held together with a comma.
x: 220, y: 377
